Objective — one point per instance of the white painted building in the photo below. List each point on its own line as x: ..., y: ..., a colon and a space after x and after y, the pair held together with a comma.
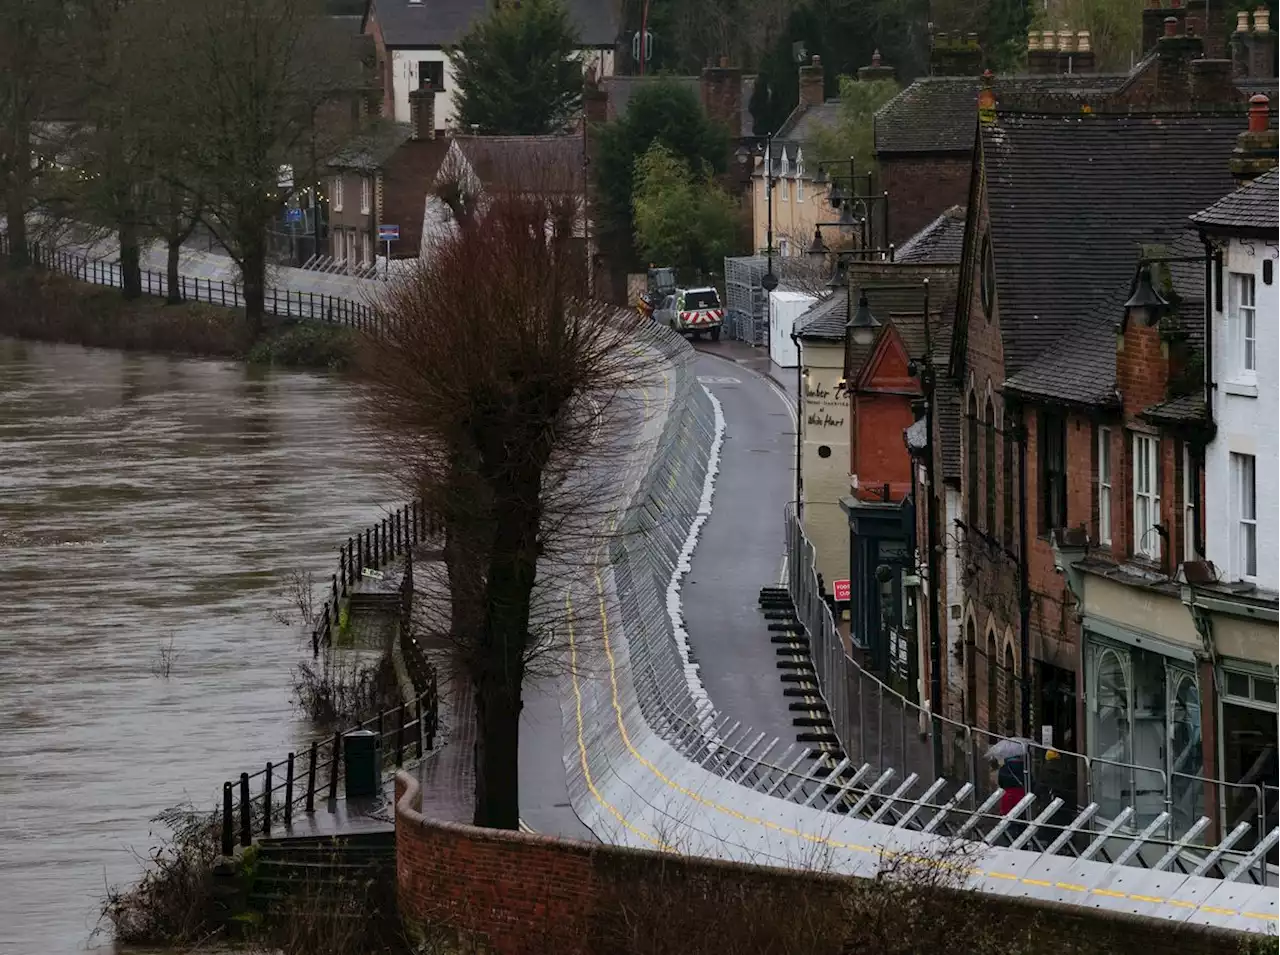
x: 413, y: 38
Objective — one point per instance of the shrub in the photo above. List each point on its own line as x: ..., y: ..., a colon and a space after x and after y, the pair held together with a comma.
x: 306, y: 345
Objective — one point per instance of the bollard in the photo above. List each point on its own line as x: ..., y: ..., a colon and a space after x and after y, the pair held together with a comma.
x: 288, y: 793
x: 228, y: 826
x: 333, y: 766
x: 266, y: 802
x: 311, y: 776
x: 246, y: 828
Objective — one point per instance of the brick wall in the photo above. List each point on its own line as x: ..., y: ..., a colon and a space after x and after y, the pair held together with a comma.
x: 409, y: 174
x: 921, y: 188
x: 519, y: 894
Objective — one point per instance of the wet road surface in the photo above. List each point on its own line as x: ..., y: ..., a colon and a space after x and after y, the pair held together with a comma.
x: 151, y: 510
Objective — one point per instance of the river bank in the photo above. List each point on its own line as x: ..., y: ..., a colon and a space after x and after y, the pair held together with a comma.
x: 45, y: 306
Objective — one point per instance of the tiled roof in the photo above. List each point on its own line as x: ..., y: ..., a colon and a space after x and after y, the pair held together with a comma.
x: 554, y: 163
x: 1185, y: 408
x: 440, y: 23
x: 1079, y: 368
x: 1070, y: 199
x: 940, y: 113
x: 941, y: 241
x: 826, y: 318
x: 371, y: 150
x: 1251, y: 209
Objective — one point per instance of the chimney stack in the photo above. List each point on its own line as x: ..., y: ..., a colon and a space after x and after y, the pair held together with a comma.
x: 1174, y: 53
x: 958, y: 55
x: 812, y: 83
x: 1255, y: 150
x: 721, y: 89
x: 1212, y: 83
x: 1212, y: 25
x: 422, y: 112
x: 876, y: 71
x: 1262, y: 52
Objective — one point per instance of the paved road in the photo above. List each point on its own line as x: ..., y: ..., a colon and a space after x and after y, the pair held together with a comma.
x: 741, y: 550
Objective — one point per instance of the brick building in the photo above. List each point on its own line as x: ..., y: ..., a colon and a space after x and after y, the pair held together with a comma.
x: 1049, y: 261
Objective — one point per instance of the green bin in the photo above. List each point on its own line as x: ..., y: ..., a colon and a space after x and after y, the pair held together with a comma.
x: 360, y: 751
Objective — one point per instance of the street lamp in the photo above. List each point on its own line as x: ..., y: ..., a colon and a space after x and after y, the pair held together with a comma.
x: 770, y: 281
x: 862, y: 326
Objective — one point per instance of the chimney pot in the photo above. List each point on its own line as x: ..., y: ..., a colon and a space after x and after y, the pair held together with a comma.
x: 1033, y: 40
x: 724, y: 62
x: 1064, y: 41
x: 817, y: 60
x: 1259, y: 113
x: 1242, y: 21
x: 1050, y: 40
x: 1262, y: 20
x: 1170, y: 26
x: 1082, y: 42
x: 875, y: 58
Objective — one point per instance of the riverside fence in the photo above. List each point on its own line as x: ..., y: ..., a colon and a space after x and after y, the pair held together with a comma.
x: 282, y: 303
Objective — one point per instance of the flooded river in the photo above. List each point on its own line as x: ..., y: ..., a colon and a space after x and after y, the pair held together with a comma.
x: 151, y: 510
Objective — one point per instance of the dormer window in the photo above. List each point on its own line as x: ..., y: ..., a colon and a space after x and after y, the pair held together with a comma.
x: 799, y: 176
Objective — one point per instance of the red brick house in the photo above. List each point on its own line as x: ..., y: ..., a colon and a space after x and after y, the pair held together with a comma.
x: 1049, y: 261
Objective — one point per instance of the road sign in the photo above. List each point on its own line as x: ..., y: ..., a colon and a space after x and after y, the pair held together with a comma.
x: 841, y: 590
x: 293, y: 215
x: 388, y: 233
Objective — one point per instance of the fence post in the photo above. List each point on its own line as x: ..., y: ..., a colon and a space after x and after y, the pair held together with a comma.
x: 418, y: 735
x: 288, y: 793
x: 362, y: 554
x: 335, y: 593
x: 228, y: 827
x: 333, y: 766
x: 311, y: 776
x: 266, y: 802
x: 380, y: 730
x: 246, y: 826
x: 351, y: 553
x: 400, y: 739
x: 342, y: 567
x: 386, y: 539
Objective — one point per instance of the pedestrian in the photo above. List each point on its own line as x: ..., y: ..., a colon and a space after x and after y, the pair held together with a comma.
x: 1012, y: 779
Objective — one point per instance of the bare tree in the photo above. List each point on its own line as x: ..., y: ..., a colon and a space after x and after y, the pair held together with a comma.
x: 491, y: 378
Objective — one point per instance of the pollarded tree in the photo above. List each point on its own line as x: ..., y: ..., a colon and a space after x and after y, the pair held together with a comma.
x: 489, y: 393
x: 517, y: 70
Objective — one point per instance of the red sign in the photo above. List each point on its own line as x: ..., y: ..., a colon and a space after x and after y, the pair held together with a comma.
x: 841, y: 590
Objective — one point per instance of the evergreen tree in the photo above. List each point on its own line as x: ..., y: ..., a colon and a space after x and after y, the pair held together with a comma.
x: 681, y: 219
x: 518, y: 72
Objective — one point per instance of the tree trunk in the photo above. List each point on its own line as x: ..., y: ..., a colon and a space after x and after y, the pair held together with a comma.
x: 172, y: 272
x: 16, y: 226
x: 513, y: 567
x: 130, y: 259
x: 253, y: 273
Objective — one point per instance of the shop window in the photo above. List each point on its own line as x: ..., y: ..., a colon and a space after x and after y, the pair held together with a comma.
x: 1249, y: 754
x: 1053, y: 471
x: 1186, y: 750
x: 1146, y: 496
x: 1110, y: 737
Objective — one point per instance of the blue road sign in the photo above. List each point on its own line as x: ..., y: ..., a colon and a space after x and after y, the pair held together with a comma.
x: 388, y: 233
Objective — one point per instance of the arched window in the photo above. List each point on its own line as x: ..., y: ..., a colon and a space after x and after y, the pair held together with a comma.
x: 971, y: 673
x: 991, y: 466
x: 1009, y: 720
x: 971, y: 459
x: 993, y: 685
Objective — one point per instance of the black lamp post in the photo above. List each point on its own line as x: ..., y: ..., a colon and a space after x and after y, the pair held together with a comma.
x: 770, y: 281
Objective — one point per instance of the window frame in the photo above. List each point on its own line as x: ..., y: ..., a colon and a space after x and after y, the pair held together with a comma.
x: 366, y: 195
x: 1190, y: 482
x: 1106, y: 479
x: 1053, y: 481
x: 338, y: 189
x: 1145, y: 461
x: 434, y: 65
x: 1239, y: 521
x: 1242, y: 321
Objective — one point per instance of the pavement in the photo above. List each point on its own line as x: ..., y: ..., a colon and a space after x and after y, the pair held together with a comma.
x: 742, y: 545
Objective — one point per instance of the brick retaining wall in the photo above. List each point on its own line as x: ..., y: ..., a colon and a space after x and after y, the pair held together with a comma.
x: 523, y: 893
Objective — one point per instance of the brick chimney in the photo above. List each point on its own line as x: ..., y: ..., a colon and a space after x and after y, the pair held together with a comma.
x: 1066, y: 51
x: 1255, y: 150
x: 1174, y: 53
x: 422, y: 113
x: 1262, y: 46
x: 1211, y: 25
x: 812, y: 83
x: 955, y: 55
x: 1153, y: 18
x: 876, y: 71
x: 1212, y: 83
x: 721, y: 88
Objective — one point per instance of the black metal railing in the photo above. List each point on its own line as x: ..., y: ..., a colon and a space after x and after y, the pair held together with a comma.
x: 374, y: 548
x: 282, y: 303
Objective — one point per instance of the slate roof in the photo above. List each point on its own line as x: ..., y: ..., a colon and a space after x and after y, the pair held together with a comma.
x: 1183, y: 409
x: 369, y: 152
x: 1253, y: 209
x: 797, y: 132
x: 825, y: 320
x: 940, y: 113
x: 555, y: 163
x: 1070, y: 200
x: 440, y: 23
x: 941, y: 241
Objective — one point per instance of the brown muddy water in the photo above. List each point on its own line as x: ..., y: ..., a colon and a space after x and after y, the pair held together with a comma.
x: 149, y: 503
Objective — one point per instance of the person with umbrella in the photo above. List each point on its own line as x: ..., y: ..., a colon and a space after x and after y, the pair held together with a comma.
x: 1009, y: 758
